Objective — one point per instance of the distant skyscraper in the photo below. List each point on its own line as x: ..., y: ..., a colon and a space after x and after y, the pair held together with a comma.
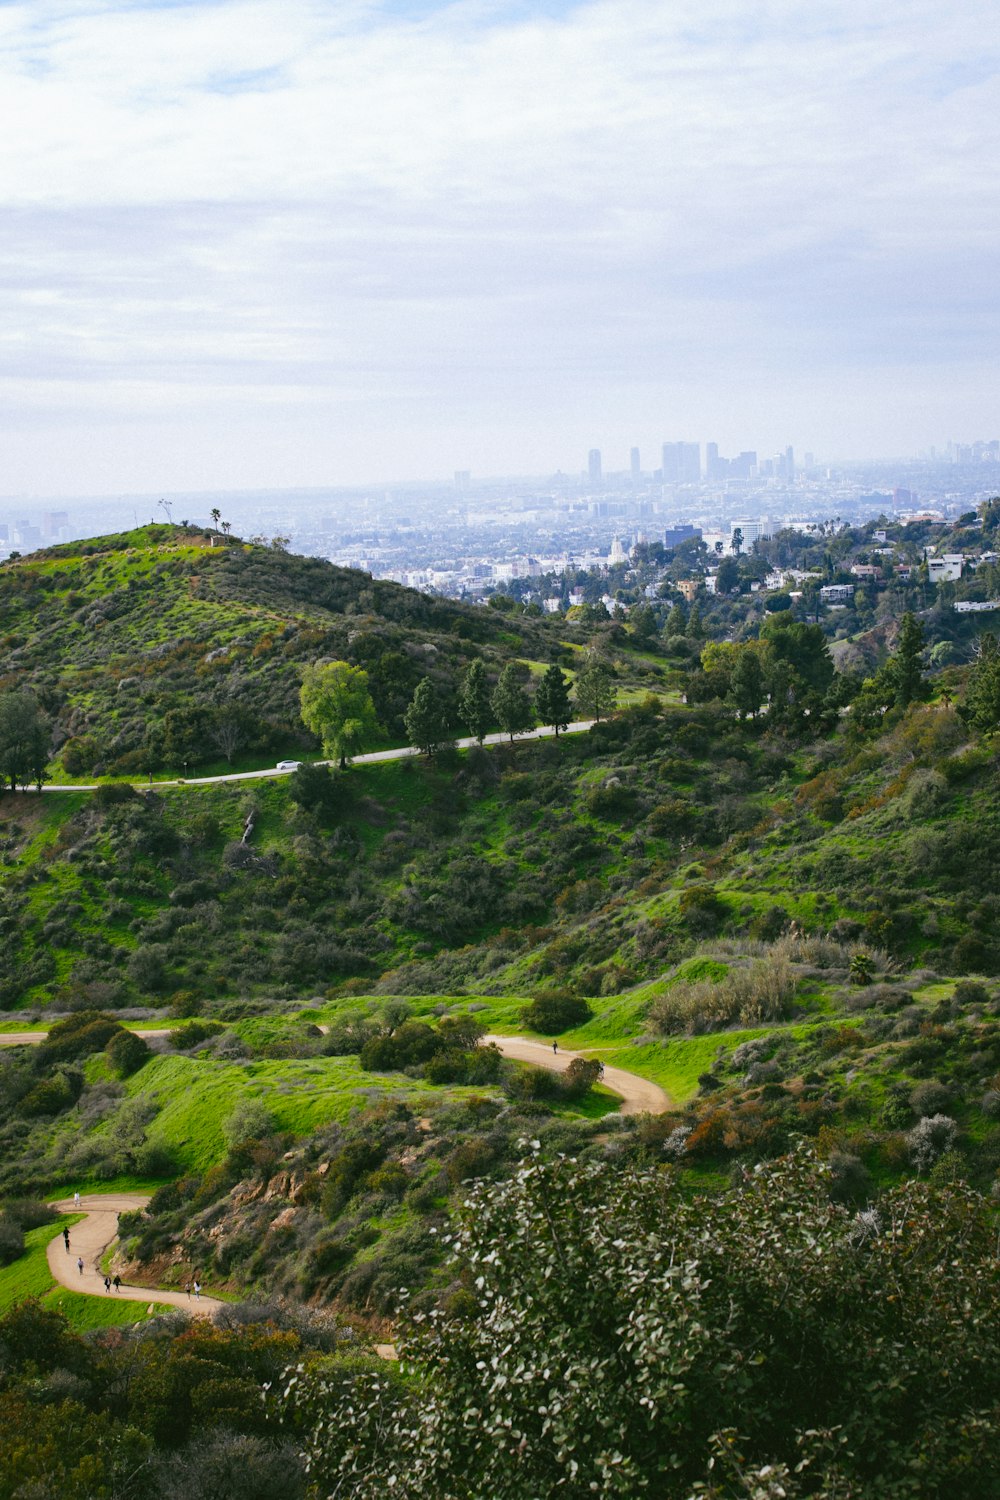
x: 634, y: 463
x: 790, y: 464
x: 681, y: 463
x: 594, y: 465
x: 462, y: 477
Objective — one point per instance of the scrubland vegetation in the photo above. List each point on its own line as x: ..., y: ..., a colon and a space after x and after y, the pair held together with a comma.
x: 783, y: 1285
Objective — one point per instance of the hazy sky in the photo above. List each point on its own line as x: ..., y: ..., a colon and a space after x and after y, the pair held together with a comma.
x: 293, y: 242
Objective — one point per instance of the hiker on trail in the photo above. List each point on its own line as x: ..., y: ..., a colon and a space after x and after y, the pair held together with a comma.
x: 117, y: 1283
x: 187, y: 1290
x: 66, y: 1238
x: 79, y: 1264
x: 197, y: 1291
x: 107, y: 1283
x: 76, y: 1198
x: 555, y: 1046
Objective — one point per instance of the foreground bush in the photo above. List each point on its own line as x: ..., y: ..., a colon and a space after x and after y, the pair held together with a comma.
x: 612, y: 1345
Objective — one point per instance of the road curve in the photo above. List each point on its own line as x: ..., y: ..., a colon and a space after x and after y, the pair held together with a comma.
x: 91, y: 1237
x: 372, y: 757
x: 638, y: 1094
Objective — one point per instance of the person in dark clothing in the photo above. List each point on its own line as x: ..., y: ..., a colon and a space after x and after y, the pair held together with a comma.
x: 555, y: 1046
x: 66, y: 1238
x: 117, y: 1283
x: 107, y: 1283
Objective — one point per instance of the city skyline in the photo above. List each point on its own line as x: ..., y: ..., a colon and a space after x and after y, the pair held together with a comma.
x: 249, y: 244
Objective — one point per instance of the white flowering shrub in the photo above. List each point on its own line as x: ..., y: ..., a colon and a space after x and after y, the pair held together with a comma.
x: 930, y: 1138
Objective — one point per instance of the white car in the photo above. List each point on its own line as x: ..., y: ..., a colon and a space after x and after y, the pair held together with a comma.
x: 288, y: 765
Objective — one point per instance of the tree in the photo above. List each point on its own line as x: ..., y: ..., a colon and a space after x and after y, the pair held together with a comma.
x: 510, y: 703
x: 981, y: 708
x: 337, y: 705
x: 216, y: 515
x: 620, y: 1336
x: 909, y: 678
x: 425, y: 721
x: 474, y: 701
x: 746, y: 683
x: 643, y: 622
x: 24, y: 740
x: 595, y: 693
x: 552, y: 699
x: 728, y: 576
x: 676, y: 621
x: 736, y: 542
x: 694, y: 628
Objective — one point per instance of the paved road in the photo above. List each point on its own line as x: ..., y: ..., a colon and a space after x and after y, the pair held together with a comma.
x: 639, y: 1095
x: 91, y: 1237
x: 371, y: 758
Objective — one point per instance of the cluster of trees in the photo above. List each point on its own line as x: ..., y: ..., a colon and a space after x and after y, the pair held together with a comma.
x: 337, y: 704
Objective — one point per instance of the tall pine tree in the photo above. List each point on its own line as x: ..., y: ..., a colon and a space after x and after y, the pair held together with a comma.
x: 511, y: 704
x: 474, y: 701
x: 552, y: 699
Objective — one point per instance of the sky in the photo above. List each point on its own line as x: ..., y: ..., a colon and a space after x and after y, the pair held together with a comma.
x: 254, y: 243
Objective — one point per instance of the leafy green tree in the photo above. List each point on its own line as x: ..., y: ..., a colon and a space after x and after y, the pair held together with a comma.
x: 337, y: 705
x: 622, y: 1337
x: 694, y: 626
x: 24, y: 740
x: 474, y: 701
x: 510, y: 703
x: 727, y: 577
x: 552, y: 699
x: 425, y: 719
x: 594, y: 690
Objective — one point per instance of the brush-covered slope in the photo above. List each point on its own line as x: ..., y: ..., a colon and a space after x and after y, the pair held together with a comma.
x: 155, y: 648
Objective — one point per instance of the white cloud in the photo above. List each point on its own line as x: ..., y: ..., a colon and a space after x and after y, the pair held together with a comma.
x: 495, y: 216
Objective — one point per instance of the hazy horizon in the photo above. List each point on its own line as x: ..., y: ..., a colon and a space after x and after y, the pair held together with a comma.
x: 251, y: 246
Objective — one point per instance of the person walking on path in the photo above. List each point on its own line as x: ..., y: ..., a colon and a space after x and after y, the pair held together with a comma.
x: 76, y: 1198
x: 117, y: 1283
x: 107, y: 1283
x: 197, y: 1291
x: 187, y: 1290
x: 79, y: 1264
x: 66, y: 1238
x: 555, y: 1046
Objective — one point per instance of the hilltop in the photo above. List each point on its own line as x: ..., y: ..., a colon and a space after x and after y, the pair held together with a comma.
x: 162, y: 647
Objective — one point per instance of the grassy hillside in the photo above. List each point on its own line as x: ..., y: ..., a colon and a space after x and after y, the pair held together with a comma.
x: 165, y: 649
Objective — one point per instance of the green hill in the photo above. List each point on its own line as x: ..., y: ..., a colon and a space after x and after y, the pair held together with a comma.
x: 163, y: 648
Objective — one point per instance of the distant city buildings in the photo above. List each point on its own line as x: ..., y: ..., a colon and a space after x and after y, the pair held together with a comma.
x: 594, y: 465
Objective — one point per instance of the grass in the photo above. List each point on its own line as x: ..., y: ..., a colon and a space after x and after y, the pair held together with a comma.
x: 30, y: 1277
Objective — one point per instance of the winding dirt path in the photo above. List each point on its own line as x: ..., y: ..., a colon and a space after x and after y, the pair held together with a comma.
x: 88, y: 1241
x: 639, y: 1096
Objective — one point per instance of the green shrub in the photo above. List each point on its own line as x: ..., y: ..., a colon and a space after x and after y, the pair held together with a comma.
x: 701, y: 910
x: 127, y: 1053
x: 11, y: 1240
x: 556, y: 1012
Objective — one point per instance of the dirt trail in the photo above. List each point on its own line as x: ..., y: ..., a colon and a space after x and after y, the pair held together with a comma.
x: 91, y: 1237
x: 639, y: 1095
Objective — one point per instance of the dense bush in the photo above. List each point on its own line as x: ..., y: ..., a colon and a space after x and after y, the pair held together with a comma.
x: 556, y: 1012
x: 605, y: 1348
